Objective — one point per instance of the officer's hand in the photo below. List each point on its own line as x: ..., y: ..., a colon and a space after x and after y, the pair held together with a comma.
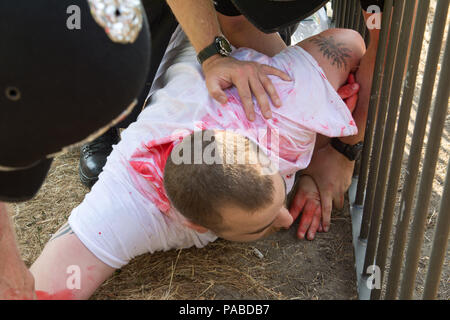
x: 249, y: 78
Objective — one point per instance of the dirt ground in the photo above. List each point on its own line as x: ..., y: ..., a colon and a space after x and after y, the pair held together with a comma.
x: 279, y: 267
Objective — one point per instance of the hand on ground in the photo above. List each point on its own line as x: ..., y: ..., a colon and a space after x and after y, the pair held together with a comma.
x: 307, y: 202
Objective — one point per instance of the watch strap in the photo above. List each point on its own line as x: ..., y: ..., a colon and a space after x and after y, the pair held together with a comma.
x: 219, y: 46
x: 208, y: 52
x: 351, y: 152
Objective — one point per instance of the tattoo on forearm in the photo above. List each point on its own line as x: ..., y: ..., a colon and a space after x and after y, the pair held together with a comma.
x: 65, y: 229
x: 332, y: 50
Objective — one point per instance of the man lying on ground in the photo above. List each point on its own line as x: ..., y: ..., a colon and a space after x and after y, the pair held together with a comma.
x: 128, y: 211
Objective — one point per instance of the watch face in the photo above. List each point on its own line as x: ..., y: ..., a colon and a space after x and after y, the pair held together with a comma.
x: 223, y: 46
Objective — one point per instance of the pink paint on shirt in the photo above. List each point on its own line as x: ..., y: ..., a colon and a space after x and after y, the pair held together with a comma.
x: 209, y: 123
x: 232, y: 99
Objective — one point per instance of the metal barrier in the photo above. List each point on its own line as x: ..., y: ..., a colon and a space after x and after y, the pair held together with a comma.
x: 373, y: 194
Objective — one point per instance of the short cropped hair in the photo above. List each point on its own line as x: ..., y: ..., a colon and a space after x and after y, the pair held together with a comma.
x: 198, y: 187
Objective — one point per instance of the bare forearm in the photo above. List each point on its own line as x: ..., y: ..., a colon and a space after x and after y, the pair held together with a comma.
x: 242, y: 33
x: 364, y: 77
x: 198, y: 19
x: 8, y: 247
x: 16, y: 282
x: 66, y: 269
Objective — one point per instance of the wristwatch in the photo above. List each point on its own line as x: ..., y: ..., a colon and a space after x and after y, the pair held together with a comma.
x: 220, y: 46
x: 352, y: 152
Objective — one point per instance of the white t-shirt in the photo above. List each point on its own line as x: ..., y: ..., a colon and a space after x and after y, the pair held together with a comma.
x: 127, y: 212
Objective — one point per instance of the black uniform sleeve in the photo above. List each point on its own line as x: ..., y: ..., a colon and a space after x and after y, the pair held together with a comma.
x: 367, y: 3
x: 226, y: 7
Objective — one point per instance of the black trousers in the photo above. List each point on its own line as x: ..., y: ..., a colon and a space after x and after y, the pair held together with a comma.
x: 162, y: 24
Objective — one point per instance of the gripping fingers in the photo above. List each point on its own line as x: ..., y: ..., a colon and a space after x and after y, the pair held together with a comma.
x: 275, y: 72
x: 351, y: 78
x: 246, y: 98
x: 307, y: 218
x: 348, y: 90
x: 314, y: 227
x: 338, y: 200
x: 216, y: 91
x: 351, y: 102
x: 270, y: 89
x: 320, y: 229
x: 297, y: 204
x: 327, y: 203
x: 268, y: 85
x: 261, y: 97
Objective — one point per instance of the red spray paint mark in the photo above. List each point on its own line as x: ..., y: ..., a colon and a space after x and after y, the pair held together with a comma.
x: 60, y: 295
x: 150, y: 163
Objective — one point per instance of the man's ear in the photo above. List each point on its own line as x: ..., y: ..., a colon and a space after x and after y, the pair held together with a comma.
x: 195, y: 227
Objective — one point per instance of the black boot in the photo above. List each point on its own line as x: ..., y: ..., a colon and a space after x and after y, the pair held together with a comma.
x: 93, y: 156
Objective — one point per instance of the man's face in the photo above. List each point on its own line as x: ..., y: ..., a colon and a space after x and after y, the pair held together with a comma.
x: 241, y: 225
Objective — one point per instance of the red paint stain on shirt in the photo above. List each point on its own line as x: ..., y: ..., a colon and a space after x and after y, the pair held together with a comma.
x: 59, y: 295
x: 150, y: 163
